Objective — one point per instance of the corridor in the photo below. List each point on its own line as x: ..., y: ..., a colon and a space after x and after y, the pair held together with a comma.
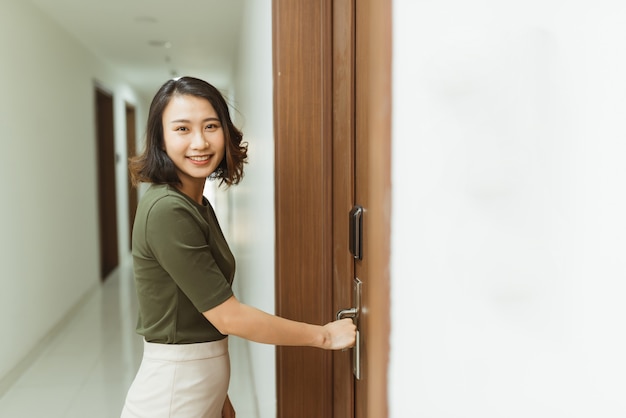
x: 86, y: 367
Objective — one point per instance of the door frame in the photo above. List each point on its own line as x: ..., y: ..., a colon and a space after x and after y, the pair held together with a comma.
x: 310, y: 259
x: 373, y: 132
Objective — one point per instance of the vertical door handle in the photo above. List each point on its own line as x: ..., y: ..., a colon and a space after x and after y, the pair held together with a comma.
x: 354, y: 314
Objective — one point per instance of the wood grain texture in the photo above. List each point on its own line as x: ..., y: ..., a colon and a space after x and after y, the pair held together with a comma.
x: 303, y: 125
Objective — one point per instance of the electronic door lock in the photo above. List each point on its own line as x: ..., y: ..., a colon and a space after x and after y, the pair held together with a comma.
x: 356, y: 232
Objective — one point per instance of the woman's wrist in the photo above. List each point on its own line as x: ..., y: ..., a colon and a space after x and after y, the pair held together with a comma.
x: 323, y: 337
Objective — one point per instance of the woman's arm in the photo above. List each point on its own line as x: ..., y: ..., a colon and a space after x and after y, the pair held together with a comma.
x: 235, y: 318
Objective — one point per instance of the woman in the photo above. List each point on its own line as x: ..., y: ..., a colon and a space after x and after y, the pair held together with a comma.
x: 183, y: 267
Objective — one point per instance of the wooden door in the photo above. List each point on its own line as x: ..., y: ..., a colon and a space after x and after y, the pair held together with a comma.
x: 131, y: 150
x: 332, y: 129
x: 107, y: 201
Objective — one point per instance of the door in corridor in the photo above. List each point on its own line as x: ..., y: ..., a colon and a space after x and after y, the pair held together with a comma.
x: 332, y: 96
x: 107, y: 201
x: 131, y: 151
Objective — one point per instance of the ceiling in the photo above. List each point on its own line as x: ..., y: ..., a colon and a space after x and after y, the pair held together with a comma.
x: 150, y: 41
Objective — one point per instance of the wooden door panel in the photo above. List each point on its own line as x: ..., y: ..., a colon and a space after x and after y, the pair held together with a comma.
x: 303, y: 118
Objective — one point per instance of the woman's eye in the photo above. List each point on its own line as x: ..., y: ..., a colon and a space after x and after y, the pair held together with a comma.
x: 181, y: 128
x: 212, y: 126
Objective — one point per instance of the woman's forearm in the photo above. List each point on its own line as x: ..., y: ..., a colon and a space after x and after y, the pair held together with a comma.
x: 235, y: 318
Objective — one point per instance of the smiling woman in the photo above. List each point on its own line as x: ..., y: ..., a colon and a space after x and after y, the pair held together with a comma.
x: 183, y: 266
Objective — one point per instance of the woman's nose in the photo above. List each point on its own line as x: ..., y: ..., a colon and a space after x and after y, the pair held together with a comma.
x: 199, y: 141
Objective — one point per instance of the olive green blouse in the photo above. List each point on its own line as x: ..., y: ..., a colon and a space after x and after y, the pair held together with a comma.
x: 182, y: 266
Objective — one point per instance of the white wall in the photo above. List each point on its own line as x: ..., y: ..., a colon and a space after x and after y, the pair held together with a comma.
x: 509, y: 195
x: 48, y: 217
x: 251, y: 206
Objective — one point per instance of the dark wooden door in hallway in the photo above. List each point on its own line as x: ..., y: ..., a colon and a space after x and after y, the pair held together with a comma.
x: 107, y: 201
x: 131, y: 150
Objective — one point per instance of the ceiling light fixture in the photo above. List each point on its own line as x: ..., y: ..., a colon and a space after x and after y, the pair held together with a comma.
x: 145, y: 19
x: 160, y: 44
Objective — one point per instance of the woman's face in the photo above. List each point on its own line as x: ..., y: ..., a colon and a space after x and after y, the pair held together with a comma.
x: 193, y: 138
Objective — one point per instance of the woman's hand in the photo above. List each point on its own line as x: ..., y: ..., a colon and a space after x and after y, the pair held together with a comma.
x: 227, y: 410
x: 339, y: 334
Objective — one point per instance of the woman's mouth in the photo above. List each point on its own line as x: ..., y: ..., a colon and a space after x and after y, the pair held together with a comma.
x: 199, y: 159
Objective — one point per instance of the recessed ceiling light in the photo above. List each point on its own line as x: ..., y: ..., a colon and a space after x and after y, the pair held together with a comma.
x: 160, y: 44
x: 145, y: 19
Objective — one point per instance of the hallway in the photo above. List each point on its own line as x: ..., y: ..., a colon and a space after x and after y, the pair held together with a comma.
x: 91, y: 360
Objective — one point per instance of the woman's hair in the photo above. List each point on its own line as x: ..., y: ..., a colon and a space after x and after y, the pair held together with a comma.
x: 155, y: 166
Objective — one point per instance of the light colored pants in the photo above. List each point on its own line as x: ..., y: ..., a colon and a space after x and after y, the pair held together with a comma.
x: 180, y: 381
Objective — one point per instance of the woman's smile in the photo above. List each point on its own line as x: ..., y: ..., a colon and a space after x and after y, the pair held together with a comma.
x: 199, y: 159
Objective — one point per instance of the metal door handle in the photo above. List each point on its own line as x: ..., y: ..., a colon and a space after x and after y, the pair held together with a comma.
x: 347, y: 313
x: 354, y: 314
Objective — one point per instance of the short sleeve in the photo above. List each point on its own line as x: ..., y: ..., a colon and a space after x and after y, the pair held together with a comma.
x: 179, y: 244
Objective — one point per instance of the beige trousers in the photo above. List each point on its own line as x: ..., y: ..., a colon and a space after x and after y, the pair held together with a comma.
x: 180, y: 381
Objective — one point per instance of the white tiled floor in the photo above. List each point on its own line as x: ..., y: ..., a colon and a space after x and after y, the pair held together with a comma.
x: 90, y: 363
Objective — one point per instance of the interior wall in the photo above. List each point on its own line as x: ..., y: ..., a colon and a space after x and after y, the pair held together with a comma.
x: 508, y: 234
x: 252, y: 222
x: 251, y: 203
x: 49, y: 219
